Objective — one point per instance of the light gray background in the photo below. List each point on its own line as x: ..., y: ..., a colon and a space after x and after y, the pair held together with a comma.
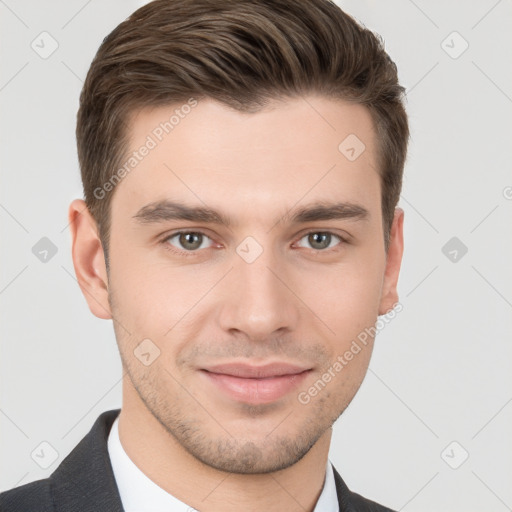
x: 441, y: 370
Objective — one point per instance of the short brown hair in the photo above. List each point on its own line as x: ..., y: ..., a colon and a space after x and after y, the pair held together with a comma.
x: 242, y: 54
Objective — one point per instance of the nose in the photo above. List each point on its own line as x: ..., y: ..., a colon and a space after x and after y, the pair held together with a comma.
x: 259, y: 302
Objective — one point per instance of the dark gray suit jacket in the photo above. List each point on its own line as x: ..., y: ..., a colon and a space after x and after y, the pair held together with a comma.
x: 84, y: 482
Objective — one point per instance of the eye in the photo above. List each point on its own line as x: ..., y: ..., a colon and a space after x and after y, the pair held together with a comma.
x: 189, y: 241
x: 321, y: 240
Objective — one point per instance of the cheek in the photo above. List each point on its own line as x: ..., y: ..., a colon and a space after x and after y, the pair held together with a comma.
x: 145, y: 290
x: 156, y: 302
x: 346, y: 298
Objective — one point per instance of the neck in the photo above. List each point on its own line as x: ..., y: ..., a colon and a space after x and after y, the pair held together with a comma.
x: 162, y: 459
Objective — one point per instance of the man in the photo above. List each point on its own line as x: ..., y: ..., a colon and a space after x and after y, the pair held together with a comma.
x: 241, y: 162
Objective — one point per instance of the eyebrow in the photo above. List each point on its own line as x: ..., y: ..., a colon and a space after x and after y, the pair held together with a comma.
x: 166, y: 210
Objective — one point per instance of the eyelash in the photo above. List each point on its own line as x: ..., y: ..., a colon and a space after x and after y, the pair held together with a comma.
x: 174, y: 250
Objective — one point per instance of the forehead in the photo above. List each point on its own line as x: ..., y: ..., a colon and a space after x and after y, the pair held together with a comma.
x: 301, y: 150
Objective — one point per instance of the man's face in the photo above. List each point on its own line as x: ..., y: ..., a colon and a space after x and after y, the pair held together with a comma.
x: 222, y: 303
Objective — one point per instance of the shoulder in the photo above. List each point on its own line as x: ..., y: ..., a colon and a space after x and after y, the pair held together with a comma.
x: 363, y: 504
x: 34, y: 496
x: 83, y: 480
x: 351, y: 501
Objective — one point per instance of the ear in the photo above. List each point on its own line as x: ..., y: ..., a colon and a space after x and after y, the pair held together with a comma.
x: 88, y: 259
x: 389, y: 296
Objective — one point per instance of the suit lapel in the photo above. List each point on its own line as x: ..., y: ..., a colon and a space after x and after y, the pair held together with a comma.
x: 343, y: 492
x: 84, y: 481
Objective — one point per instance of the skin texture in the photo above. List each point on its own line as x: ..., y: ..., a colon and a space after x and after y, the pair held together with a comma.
x: 297, y: 302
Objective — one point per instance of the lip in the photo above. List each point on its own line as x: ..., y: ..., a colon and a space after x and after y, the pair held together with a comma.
x: 249, y: 371
x: 256, y: 384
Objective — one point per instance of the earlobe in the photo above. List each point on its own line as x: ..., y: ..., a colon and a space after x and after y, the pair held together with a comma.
x: 89, y: 259
x: 389, y: 296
